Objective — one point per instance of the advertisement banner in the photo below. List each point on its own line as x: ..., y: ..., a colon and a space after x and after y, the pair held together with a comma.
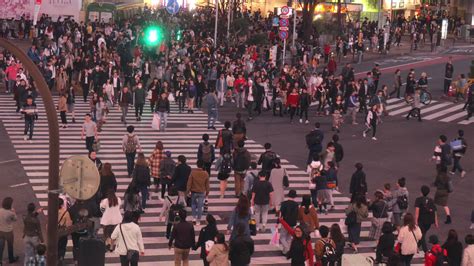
x: 54, y: 8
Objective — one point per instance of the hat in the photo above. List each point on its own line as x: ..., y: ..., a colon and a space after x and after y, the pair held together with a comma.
x: 433, y: 239
x: 292, y: 194
x: 168, y: 153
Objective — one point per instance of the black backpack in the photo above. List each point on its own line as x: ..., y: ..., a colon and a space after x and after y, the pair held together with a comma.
x: 329, y: 252
x: 441, y: 259
x: 226, y: 165
x: 402, y: 202
x: 351, y: 218
x: 175, y: 209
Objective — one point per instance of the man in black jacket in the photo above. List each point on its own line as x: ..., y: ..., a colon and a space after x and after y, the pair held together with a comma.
x: 338, y: 150
x: 184, y: 239
x: 241, y: 247
x: 180, y: 178
x: 267, y: 159
x: 289, y: 213
x: 314, y: 141
x: 358, y: 184
x: 241, y: 163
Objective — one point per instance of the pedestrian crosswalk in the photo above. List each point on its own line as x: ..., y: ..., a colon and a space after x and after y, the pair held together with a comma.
x: 182, y: 136
x: 436, y: 111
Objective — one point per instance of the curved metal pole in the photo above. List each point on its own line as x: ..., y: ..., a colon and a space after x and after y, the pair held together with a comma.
x: 53, y: 127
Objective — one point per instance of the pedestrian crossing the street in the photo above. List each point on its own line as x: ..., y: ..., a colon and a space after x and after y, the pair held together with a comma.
x: 182, y: 136
x: 440, y: 111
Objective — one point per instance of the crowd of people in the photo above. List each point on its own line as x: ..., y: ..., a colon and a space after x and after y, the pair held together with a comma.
x: 111, y: 66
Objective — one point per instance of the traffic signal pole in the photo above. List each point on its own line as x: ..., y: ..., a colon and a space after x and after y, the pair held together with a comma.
x: 53, y: 165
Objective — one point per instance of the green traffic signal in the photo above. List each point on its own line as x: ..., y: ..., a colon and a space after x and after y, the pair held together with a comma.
x: 153, y: 35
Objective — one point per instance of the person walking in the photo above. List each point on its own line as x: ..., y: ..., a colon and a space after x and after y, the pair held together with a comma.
x: 219, y: 253
x: 289, y: 213
x: 352, y: 106
x: 358, y: 184
x: 167, y: 169
x: 408, y: 237
x: 304, y: 104
x: 314, y: 141
x: 62, y: 108
x: 385, y: 243
x: 468, y: 253
x: 180, y: 178
x: 338, y: 150
x: 32, y: 233
x: 262, y: 200
x: 241, y: 164
x: 154, y: 161
x: 454, y: 248
x: 171, y: 199
x: 64, y: 221
x: 7, y: 218
x: 416, y: 106
x: 162, y: 108
x: 240, y: 215
x: 323, y: 246
x: 125, y: 99
x: 443, y: 189
x: 399, y: 202
x: 207, y: 233
x: 212, y: 102
x: 279, y: 180
x: 221, y: 88
x: 379, y: 208
x: 308, y: 215
x: 111, y: 216
x: 448, y: 75
x: 458, y: 152
x: 267, y: 159
x: 301, y: 249
x: 30, y: 112
x: 183, y: 238
x: 128, y: 237
x: 371, y: 122
x: 357, y: 209
x: 242, y: 247
x: 89, y: 132
x: 425, y: 214
x: 224, y: 168
x: 206, y: 153
x: 141, y: 177
x: 130, y: 146
x: 397, y: 83
x: 198, y: 188
x: 139, y: 97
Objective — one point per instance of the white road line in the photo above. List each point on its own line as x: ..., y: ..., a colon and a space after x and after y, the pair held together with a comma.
x: 443, y: 112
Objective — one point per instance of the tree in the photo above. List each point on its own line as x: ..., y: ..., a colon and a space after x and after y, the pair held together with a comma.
x: 308, y: 7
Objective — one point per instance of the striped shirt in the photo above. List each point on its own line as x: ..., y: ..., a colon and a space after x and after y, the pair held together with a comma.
x: 30, y: 111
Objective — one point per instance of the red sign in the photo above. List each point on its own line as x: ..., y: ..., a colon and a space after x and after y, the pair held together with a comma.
x: 283, y: 35
x: 38, y: 2
x: 285, y: 10
x: 284, y: 22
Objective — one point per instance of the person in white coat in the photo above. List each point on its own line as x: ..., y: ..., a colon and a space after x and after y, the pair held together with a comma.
x: 128, y: 236
x: 111, y: 216
x: 279, y: 181
x: 408, y: 237
x: 468, y: 254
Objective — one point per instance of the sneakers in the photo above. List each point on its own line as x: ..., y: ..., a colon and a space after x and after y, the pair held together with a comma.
x: 363, y: 134
x: 451, y: 172
x: 463, y: 174
x: 301, y: 121
x: 374, y: 138
x: 306, y: 122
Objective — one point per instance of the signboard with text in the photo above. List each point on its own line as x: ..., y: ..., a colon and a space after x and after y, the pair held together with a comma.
x: 54, y: 8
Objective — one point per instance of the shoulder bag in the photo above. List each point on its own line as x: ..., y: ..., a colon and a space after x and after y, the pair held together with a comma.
x: 130, y: 252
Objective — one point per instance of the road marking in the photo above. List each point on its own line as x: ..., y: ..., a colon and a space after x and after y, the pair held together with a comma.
x: 19, y: 185
x: 444, y: 112
x: 453, y: 117
x: 8, y: 161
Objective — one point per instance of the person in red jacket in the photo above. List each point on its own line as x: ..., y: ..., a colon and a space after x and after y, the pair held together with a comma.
x: 239, y: 85
x: 301, y: 250
x: 292, y: 102
x: 432, y: 256
x: 332, y: 65
x: 327, y: 51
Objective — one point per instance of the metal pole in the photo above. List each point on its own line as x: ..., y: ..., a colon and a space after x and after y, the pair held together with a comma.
x: 294, y: 24
x: 380, y: 13
x: 53, y: 165
x: 228, y: 18
x: 284, y: 53
x: 215, y: 25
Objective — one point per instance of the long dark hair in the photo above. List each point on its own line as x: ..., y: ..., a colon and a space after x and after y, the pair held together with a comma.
x: 113, y: 201
x: 452, y: 237
x: 211, y: 223
x: 336, y: 233
x: 131, y: 193
x: 409, y: 221
x: 220, y: 239
x: 242, y: 207
x: 306, y: 203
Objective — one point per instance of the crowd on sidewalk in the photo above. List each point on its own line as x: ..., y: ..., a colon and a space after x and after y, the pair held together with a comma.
x: 111, y: 66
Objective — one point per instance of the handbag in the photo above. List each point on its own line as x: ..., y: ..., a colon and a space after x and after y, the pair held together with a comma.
x: 130, y: 252
x: 155, y: 123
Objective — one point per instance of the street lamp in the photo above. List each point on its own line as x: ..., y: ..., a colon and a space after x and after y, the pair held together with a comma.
x: 53, y: 165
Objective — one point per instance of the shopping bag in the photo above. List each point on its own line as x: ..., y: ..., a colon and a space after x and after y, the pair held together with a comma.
x: 155, y: 123
x: 171, y: 97
x: 275, y: 239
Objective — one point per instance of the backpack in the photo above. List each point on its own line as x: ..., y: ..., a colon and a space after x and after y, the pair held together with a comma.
x: 130, y: 145
x: 456, y: 145
x: 329, y: 252
x: 351, y: 218
x: 226, y: 165
x: 206, y: 152
x: 402, y: 202
x: 175, y: 209
x: 427, y: 208
x: 441, y: 259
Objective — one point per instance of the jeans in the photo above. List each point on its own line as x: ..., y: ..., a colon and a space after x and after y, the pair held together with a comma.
x: 62, y: 245
x: 250, y: 107
x: 240, y: 100
x: 373, y: 128
x: 29, y: 126
x: 304, y: 110
x: 447, y: 83
x: 133, y: 262
x: 130, y: 162
x: 314, y: 197
x: 292, y: 112
x: 261, y: 215
x: 220, y: 97
x: 181, y: 255
x: 89, y: 143
x: 139, y: 110
x: 211, y: 117
x: 7, y: 237
x: 163, y: 120
x: 31, y: 242
x: 457, y: 164
x: 180, y: 101
x: 124, y: 109
x: 85, y: 92
x: 63, y: 117
x: 352, y: 111
x: 144, y: 192
x: 285, y: 240
x: 424, y: 229
x: 197, y: 204
x: 406, y: 259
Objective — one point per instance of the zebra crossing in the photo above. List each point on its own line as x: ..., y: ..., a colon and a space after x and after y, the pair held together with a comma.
x: 435, y: 111
x: 182, y: 136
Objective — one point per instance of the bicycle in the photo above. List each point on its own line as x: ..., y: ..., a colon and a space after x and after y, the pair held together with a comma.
x: 425, y: 97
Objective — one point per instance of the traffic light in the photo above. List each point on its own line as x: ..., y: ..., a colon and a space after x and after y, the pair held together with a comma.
x: 153, y: 36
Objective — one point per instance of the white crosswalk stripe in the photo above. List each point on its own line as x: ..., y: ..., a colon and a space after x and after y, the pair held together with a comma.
x: 436, y: 110
x: 182, y: 136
